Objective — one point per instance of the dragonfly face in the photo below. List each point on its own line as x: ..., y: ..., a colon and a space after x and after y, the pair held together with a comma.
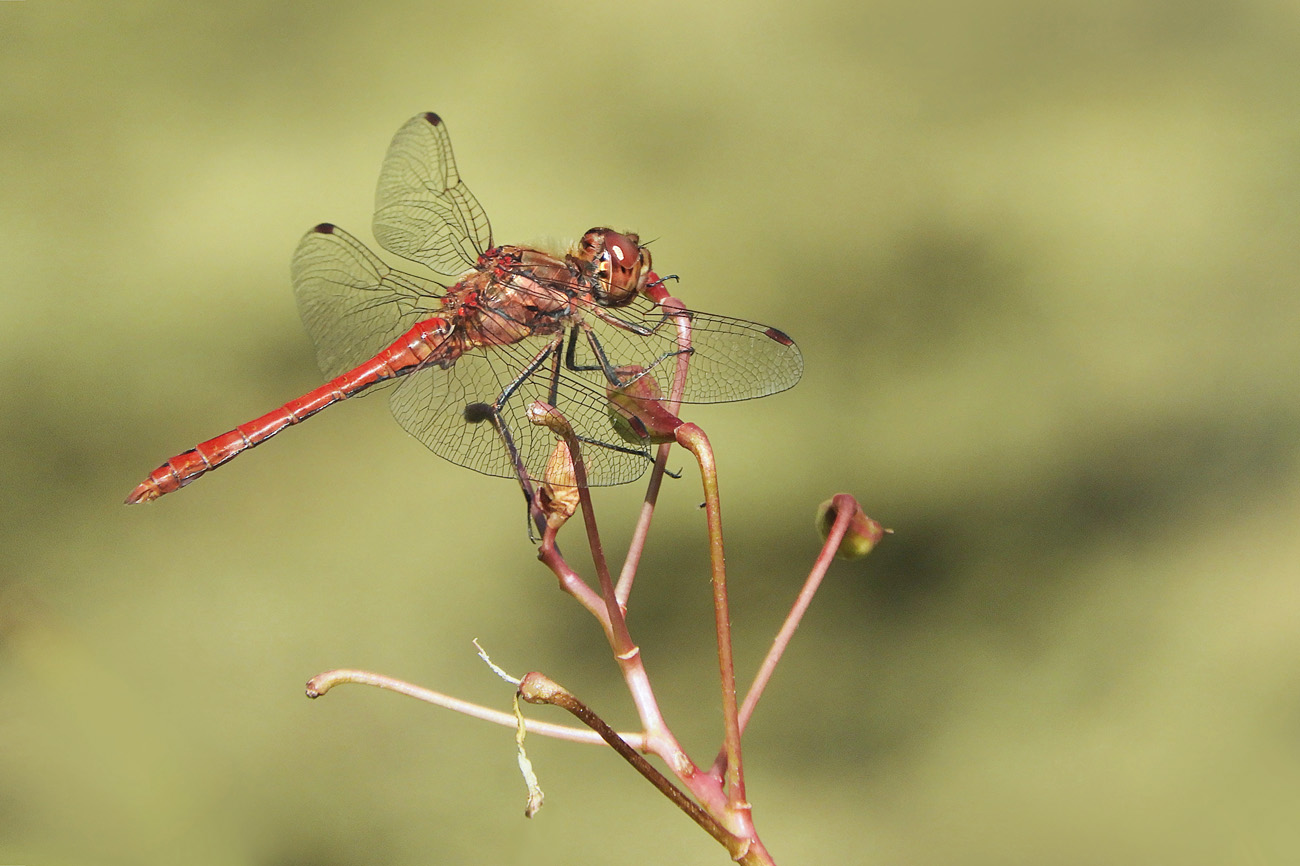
x: 622, y: 265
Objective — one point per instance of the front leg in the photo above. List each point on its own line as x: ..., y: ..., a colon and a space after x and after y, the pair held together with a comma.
x: 603, y: 364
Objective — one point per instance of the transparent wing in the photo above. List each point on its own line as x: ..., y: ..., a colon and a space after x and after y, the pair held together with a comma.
x: 423, y: 211
x: 731, y: 359
x: 431, y: 404
x: 353, y: 304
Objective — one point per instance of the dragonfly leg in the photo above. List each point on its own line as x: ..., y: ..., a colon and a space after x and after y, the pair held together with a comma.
x: 550, y: 350
x: 608, y: 369
x: 478, y: 412
x: 603, y: 365
x: 610, y: 446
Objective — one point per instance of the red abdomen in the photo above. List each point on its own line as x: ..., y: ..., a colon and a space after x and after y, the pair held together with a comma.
x: 407, y: 353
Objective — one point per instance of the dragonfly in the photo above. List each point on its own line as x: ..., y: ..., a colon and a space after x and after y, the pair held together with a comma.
x: 511, y: 326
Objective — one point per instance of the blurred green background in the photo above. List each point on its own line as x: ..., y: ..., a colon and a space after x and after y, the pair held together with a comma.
x: 1041, y: 260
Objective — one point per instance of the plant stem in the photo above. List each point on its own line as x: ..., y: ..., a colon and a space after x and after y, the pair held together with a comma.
x: 843, y: 516
x: 642, y: 530
x: 671, y: 405
x: 322, y: 683
x: 537, y: 688
x: 845, y: 507
x: 570, y: 581
x: 657, y: 736
x: 554, y: 420
x: 693, y: 439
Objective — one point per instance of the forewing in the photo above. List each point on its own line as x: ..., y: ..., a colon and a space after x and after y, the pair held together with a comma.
x: 353, y: 304
x: 431, y: 404
x: 731, y: 359
x: 423, y: 211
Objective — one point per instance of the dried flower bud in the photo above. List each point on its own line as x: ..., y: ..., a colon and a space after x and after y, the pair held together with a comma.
x: 863, y: 533
x: 558, y: 493
x: 636, y: 409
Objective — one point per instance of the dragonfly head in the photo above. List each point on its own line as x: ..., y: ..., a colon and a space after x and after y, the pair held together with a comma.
x: 621, y: 264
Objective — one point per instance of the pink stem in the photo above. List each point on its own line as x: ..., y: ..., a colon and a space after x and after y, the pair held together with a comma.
x: 845, y: 506
x: 693, y: 439
x: 626, y: 652
x: 322, y: 683
x: 637, y: 546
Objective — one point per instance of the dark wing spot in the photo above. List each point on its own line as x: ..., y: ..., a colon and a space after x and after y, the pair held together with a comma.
x: 477, y: 413
x: 779, y: 336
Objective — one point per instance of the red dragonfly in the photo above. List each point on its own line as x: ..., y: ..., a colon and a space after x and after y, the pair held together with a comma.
x: 516, y: 326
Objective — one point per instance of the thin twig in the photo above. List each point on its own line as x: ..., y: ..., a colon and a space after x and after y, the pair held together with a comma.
x: 642, y: 530
x: 843, y: 516
x: 322, y: 683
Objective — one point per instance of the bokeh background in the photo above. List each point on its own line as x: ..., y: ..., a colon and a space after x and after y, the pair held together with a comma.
x: 1041, y: 259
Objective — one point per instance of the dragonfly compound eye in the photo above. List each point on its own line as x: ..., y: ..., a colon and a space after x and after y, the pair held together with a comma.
x: 623, y: 267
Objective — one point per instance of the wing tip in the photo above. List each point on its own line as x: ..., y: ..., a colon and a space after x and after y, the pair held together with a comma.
x: 779, y: 336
